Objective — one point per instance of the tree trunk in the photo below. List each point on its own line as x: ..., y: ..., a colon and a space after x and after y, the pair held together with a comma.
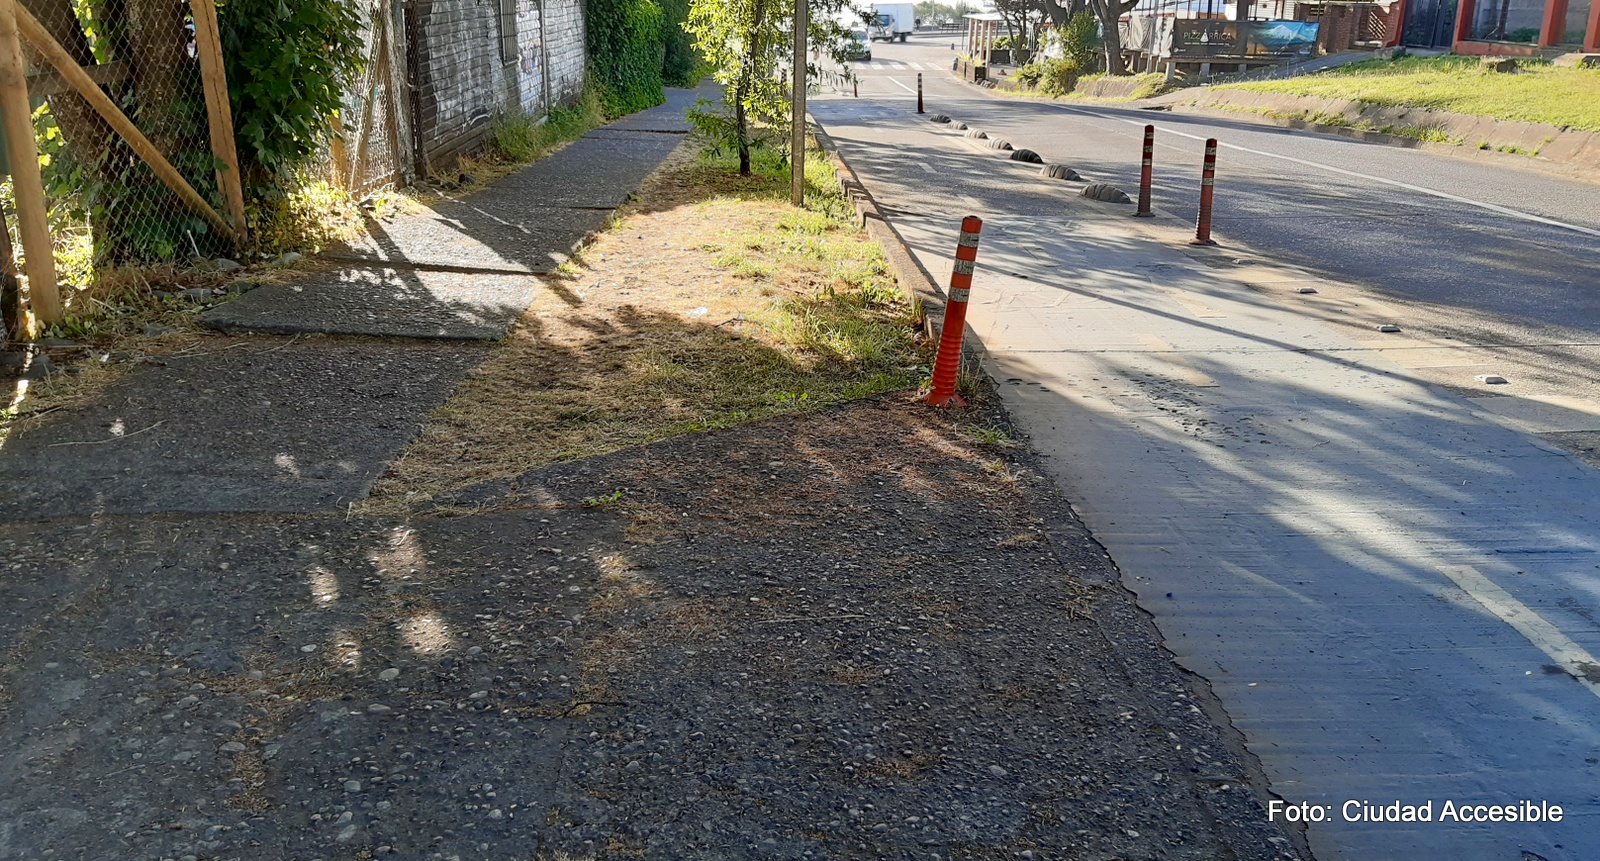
x: 1113, y: 44
x: 1110, y: 12
x: 741, y: 128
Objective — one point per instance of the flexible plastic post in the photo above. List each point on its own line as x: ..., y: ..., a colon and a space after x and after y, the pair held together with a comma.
x: 947, y: 363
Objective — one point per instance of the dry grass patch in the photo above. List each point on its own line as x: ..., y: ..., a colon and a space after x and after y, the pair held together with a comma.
x: 710, y: 302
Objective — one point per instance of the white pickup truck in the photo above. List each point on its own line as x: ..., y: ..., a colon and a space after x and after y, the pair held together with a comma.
x: 891, y: 21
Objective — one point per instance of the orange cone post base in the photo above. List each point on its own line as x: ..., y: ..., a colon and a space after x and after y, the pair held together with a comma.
x: 947, y: 364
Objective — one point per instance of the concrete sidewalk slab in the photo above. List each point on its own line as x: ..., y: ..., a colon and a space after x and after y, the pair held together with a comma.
x: 402, y: 302
x: 452, y: 271
x: 500, y: 233
x: 257, y: 425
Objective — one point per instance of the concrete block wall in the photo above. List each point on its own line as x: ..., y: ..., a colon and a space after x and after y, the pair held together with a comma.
x: 565, y: 39
x: 479, y: 58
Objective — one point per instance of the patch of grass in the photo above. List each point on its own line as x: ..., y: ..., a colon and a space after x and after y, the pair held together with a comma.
x: 521, y: 138
x: 603, y: 500
x: 991, y: 436
x: 1539, y: 92
x: 711, y: 302
x: 1321, y: 118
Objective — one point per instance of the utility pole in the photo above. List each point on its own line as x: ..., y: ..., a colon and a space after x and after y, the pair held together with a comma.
x: 797, y: 131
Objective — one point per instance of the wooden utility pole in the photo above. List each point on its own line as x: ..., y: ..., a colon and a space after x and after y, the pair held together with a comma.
x: 44, y: 297
x: 797, y: 134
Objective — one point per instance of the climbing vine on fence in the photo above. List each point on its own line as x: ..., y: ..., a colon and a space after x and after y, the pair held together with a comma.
x: 625, y: 53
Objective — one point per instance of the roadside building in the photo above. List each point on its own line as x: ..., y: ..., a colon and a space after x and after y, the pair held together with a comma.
x: 1502, y: 27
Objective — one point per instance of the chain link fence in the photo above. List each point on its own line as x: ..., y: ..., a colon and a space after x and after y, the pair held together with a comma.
x: 375, y: 121
x: 107, y: 205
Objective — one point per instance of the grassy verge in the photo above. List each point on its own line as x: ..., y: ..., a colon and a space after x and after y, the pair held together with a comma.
x: 521, y: 138
x: 1539, y: 92
x: 1150, y: 84
x: 711, y: 301
x: 1416, y: 132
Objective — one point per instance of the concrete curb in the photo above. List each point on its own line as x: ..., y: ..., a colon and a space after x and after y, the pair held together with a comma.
x: 918, y: 284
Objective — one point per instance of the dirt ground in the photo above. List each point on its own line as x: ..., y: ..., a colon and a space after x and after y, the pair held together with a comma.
x: 861, y: 632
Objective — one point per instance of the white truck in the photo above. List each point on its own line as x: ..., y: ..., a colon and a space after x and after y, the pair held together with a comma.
x: 891, y: 21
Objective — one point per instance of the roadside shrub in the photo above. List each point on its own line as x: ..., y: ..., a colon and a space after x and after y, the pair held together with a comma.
x: 287, y: 64
x: 1080, y: 42
x: 1050, y: 77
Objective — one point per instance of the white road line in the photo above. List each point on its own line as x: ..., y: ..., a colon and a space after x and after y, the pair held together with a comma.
x: 1445, y: 195
x: 1547, y: 637
x: 924, y: 166
x: 918, y: 66
x: 896, y: 82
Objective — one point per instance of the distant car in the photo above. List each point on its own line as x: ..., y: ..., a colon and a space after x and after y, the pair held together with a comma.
x: 860, y: 47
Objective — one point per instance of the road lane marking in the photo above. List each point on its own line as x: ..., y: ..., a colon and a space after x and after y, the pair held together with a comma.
x: 1546, y: 637
x: 924, y: 166
x: 1445, y: 195
x: 897, y: 83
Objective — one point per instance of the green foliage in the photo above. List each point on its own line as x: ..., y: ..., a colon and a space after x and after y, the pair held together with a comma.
x: 1080, y: 41
x: 1051, y: 77
x: 932, y: 12
x: 747, y: 44
x: 523, y: 138
x: 626, y: 53
x: 288, y: 63
x: 681, y: 66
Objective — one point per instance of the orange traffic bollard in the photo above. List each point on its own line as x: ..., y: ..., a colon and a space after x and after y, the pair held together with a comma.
x: 1144, y: 172
x: 1208, y: 184
x: 947, y: 363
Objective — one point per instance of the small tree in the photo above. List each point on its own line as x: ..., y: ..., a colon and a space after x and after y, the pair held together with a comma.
x: 748, y: 45
x: 1018, y: 16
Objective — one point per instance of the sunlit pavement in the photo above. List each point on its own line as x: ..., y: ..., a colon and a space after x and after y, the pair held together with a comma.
x: 1391, y: 587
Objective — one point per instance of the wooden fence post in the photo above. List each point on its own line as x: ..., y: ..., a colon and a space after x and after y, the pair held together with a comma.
x: 44, y: 294
x: 219, y: 113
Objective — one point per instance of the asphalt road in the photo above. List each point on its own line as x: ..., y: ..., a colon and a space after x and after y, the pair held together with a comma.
x: 1381, y: 565
x: 1520, y: 245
